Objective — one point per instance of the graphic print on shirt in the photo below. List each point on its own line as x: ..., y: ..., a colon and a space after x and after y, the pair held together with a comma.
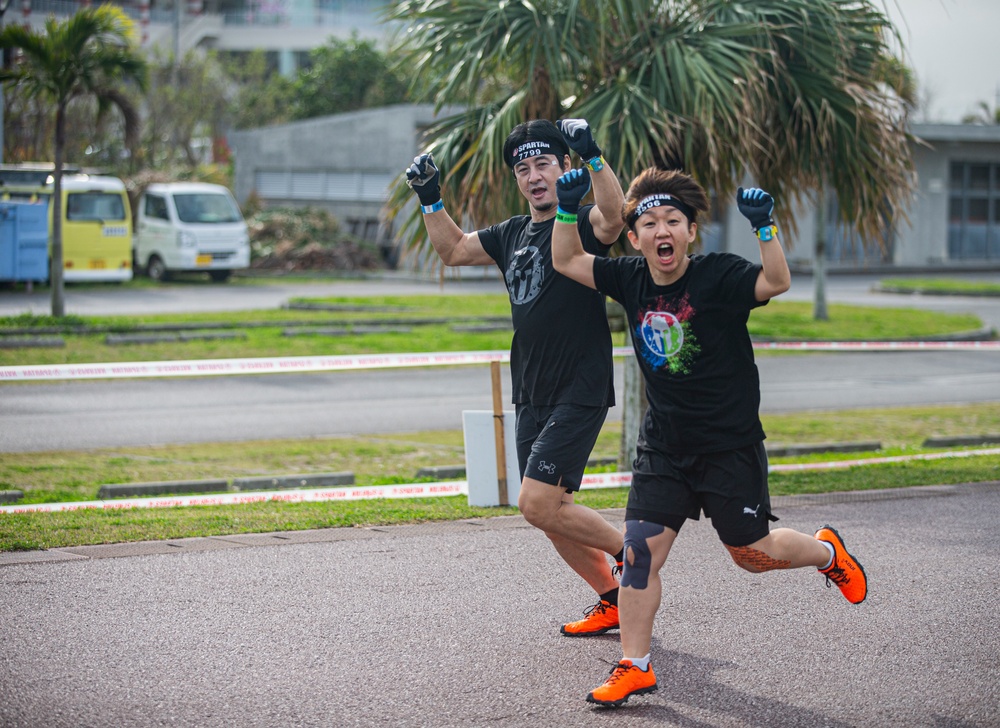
x: 524, y: 275
x: 665, y: 332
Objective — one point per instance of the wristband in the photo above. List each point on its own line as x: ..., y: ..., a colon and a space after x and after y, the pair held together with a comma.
x: 566, y: 217
x: 428, y: 209
x: 596, y: 164
x: 766, y: 233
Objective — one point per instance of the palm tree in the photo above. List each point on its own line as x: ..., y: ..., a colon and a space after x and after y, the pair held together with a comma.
x: 835, y: 115
x: 88, y: 56
x: 802, y: 95
x: 661, y: 83
x: 984, y: 114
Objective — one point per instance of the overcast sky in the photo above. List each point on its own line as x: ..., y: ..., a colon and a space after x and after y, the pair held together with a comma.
x: 954, y: 48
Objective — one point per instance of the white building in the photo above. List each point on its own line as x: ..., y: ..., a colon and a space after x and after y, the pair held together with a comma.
x: 346, y: 162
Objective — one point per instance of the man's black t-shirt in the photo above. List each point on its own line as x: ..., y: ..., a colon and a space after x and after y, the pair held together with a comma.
x: 561, y: 351
x: 691, y: 340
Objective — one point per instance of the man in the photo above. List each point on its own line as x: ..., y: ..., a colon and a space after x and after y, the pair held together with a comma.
x: 701, y: 446
x: 560, y: 357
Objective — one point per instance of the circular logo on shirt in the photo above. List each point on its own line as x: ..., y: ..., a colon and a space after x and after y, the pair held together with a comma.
x: 662, y: 333
x: 524, y: 275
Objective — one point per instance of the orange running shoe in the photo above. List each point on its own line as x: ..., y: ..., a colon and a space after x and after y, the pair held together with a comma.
x: 845, y: 571
x: 626, y: 680
x: 600, y: 618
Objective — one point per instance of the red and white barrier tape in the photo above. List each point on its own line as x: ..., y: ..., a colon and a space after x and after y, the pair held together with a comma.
x: 270, y: 365
x: 418, y: 490
x: 281, y: 365
x: 412, y: 490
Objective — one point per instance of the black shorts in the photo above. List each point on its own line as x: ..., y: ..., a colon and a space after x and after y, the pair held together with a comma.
x: 554, y: 443
x: 730, y: 487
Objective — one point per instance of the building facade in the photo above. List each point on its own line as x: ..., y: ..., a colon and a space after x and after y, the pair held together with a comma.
x: 345, y: 164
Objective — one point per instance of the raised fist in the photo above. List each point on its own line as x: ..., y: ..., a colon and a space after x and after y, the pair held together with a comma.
x: 756, y: 206
x: 571, y: 188
x: 424, y: 178
x: 578, y: 136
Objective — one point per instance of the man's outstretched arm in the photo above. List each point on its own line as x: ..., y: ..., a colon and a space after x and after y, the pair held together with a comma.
x: 606, y: 215
x: 454, y: 246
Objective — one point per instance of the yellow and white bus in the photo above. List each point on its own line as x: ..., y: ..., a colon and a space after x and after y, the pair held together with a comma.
x: 96, y: 221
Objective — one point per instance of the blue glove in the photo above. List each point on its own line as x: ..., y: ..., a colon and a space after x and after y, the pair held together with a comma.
x: 579, y: 138
x: 571, y: 188
x: 756, y: 206
x: 424, y: 179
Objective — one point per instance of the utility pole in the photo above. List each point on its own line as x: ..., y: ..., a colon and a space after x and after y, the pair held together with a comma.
x: 4, y: 4
x: 175, y: 70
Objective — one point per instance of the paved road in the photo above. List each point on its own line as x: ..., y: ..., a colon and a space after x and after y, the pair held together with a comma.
x: 242, y: 294
x: 102, y: 414
x: 456, y: 625
x: 119, y: 413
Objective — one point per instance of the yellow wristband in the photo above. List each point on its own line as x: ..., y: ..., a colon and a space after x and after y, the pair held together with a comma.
x: 767, y: 233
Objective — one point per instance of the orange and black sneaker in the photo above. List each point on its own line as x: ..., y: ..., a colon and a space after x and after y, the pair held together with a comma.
x: 626, y: 680
x: 845, y: 571
x: 600, y: 618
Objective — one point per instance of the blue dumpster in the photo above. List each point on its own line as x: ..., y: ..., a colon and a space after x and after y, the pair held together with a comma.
x: 24, y: 241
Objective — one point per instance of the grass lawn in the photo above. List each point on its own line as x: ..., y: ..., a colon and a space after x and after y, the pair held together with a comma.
x: 376, y: 459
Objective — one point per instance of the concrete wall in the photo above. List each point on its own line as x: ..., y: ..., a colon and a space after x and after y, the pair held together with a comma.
x: 377, y: 145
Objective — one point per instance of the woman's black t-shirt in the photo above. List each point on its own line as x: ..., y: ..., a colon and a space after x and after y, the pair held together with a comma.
x: 692, y: 343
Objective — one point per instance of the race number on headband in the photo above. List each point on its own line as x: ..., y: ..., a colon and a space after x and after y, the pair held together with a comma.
x: 659, y: 200
x: 531, y: 149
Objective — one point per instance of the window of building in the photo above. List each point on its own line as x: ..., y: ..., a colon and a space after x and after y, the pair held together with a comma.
x: 974, y: 211
x: 845, y: 246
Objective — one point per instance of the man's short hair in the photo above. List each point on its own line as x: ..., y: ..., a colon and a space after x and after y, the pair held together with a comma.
x: 533, y: 138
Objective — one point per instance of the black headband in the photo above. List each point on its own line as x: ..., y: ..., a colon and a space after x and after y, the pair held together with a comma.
x: 526, y: 150
x: 659, y: 199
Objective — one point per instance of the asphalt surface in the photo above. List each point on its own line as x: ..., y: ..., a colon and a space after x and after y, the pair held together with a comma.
x: 114, y: 413
x: 457, y: 625
x: 78, y: 415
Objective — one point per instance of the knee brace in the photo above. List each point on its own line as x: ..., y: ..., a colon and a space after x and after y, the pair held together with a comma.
x: 754, y: 560
x: 638, y: 557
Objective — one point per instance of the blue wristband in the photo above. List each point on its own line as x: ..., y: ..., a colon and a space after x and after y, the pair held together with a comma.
x: 766, y: 233
x: 428, y: 209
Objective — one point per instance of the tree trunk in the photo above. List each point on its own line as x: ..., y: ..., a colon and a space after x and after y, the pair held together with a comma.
x: 819, y: 261
x: 56, y: 272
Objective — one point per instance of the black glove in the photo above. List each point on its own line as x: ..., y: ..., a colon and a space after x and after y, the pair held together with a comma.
x: 424, y: 179
x: 572, y: 187
x: 756, y: 206
x: 577, y: 134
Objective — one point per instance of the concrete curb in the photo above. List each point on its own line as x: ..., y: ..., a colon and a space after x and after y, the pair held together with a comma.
x: 329, y: 535
x: 793, y: 450
x: 917, y: 291
x: 292, y: 481
x: 107, y: 492
x: 960, y: 441
x: 219, y: 485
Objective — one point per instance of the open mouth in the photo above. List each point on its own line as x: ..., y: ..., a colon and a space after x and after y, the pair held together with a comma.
x: 665, y: 251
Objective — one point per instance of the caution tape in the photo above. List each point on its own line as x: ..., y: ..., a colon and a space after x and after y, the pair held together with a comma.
x: 268, y: 365
x: 419, y: 490
x: 327, y: 495
x: 284, y: 365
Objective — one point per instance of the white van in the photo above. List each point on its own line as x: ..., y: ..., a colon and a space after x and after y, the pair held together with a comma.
x: 190, y: 226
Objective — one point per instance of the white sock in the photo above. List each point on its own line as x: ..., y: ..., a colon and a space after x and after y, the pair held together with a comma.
x: 641, y: 662
x: 832, y: 554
